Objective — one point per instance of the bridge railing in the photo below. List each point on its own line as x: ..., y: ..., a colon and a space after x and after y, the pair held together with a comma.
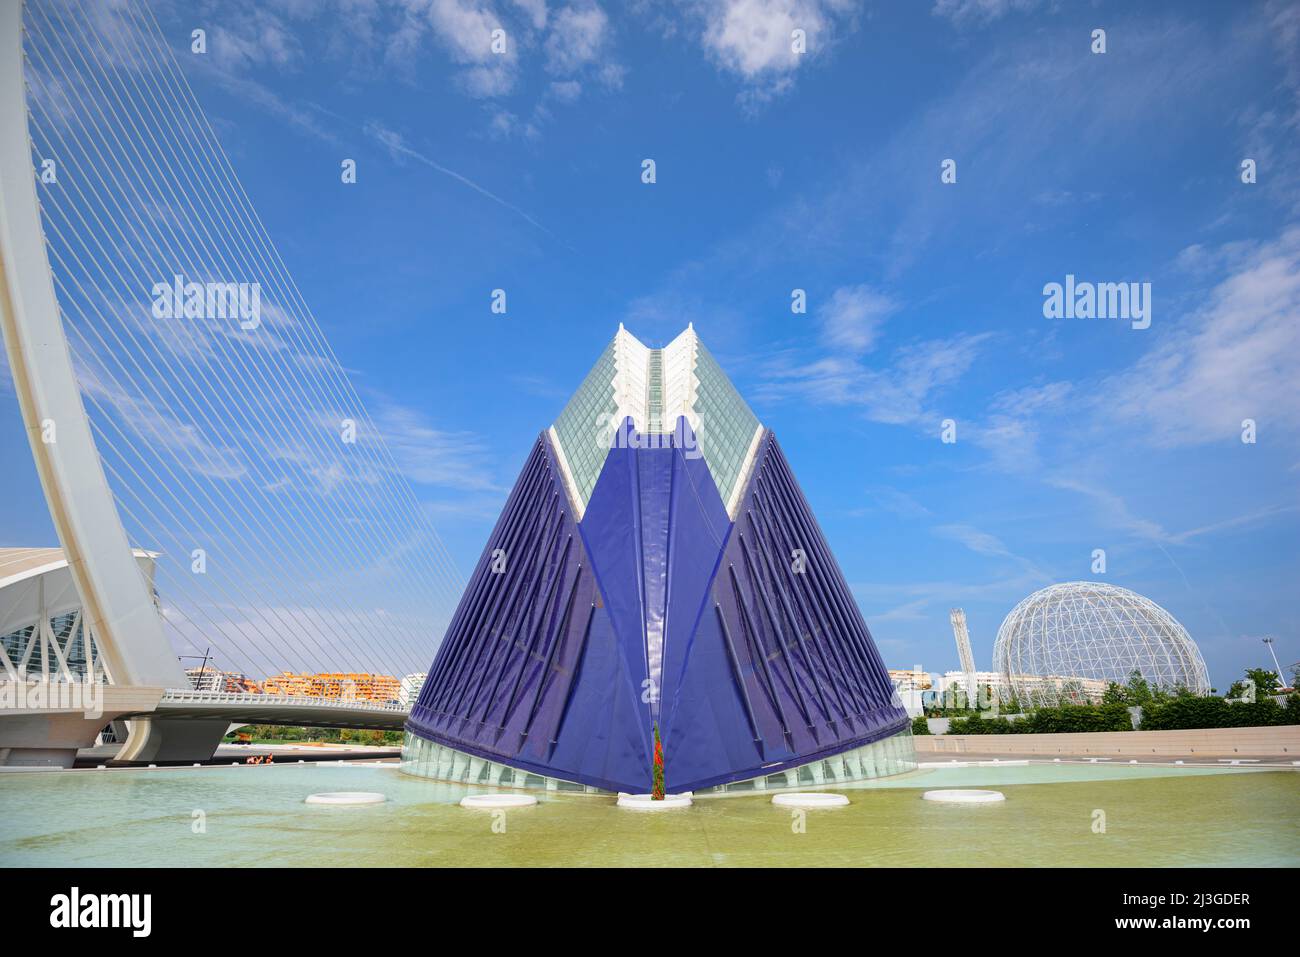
x: 189, y: 696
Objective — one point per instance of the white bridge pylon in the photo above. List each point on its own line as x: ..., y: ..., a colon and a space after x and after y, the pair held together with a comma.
x: 116, y: 600
x: 235, y: 449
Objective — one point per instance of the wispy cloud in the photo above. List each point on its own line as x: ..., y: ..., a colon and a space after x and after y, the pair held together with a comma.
x: 853, y: 315
x: 397, y: 147
x: 464, y: 30
x: 977, y: 541
x: 898, y: 502
x: 967, y: 12
x: 1236, y: 358
x: 903, y: 390
x: 429, y: 456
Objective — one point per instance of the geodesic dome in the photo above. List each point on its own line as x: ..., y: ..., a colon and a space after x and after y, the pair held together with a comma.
x: 1097, y: 633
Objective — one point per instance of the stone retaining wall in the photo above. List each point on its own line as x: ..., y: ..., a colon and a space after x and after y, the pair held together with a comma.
x: 1283, y: 741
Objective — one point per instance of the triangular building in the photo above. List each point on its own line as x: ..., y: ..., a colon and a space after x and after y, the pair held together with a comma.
x: 656, y: 567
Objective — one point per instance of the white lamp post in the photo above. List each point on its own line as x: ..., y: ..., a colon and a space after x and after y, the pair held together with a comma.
x: 1268, y: 640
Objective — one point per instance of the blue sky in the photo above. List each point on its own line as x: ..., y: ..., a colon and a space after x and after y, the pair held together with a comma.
x: 822, y: 171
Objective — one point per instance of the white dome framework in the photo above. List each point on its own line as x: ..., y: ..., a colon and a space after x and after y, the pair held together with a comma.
x: 1088, y: 630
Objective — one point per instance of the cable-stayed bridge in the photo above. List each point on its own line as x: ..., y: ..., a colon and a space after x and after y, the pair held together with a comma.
x: 182, y: 401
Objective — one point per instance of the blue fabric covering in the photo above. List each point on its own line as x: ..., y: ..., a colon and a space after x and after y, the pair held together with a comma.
x: 657, y: 610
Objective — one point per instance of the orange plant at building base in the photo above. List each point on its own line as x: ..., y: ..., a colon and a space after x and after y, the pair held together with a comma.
x: 657, y: 787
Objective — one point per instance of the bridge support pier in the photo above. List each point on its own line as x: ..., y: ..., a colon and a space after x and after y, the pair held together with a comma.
x: 159, y: 740
x: 40, y: 727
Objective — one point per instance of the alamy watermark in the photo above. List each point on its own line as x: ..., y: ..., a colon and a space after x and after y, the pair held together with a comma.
x: 130, y: 911
x: 179, y: 299
x: 1102, y: 300
x: 610, y: 434
x: 84, y: 696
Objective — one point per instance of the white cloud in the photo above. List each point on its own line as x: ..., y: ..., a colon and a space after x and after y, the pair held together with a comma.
x: 578, y: 36
x: 1010, y: 432
x: 962, y: 12
x: 252, y: 37
x: 536, y: 10
x: 1236, y: 358
x: 853, y: 316
x: 754, y: 38
x: 984, y: 543
x: 566, y: 91
x: 900, y: 392
x: 896, y: 501
x: 430, y: 456
x: 977, y: 541
x: 464, y: 28
x: 1113, y: 507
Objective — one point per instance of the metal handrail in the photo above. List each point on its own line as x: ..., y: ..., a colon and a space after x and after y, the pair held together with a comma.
x: 183, y: 695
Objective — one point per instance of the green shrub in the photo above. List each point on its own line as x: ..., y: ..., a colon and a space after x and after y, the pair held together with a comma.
x: 919, y: 725
x: 1062, y: 720
x: 1069, y: 719
x: 1184, y: 714
x: 977, y: 725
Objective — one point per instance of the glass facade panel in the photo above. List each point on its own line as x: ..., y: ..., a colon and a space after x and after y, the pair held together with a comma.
x: 427, y: 759
x: 893, y: 755
x: 583, y: 426
x: 727, y: 424
x: 639, y: 381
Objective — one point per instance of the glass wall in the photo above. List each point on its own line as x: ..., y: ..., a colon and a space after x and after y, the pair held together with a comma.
x: 583, y: 427
x: 428, y: 759
x: 727, y: 424
x: 893, y: 755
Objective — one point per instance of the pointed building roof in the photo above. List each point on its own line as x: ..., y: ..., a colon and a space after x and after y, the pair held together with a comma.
x: 655, y: 388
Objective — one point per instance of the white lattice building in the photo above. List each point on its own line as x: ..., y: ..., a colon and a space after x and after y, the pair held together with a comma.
x: 1095, y: 633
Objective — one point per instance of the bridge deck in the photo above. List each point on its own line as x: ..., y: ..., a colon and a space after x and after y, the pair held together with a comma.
x: 295, y: 710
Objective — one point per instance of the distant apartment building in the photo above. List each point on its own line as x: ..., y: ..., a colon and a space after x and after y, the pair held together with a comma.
x: 1047, y: 689
x: 910, y: 688
x: 911, y: 679
x: 345, y: 686
x: 409, y: 691
x: 211, y: 679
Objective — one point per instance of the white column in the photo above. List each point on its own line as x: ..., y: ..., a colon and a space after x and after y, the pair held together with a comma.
x: 117, y: 603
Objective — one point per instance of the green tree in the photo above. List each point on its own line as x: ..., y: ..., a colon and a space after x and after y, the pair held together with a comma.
x: 1115, y: 693
x: 1138, y: 690
x: 1266, y: 682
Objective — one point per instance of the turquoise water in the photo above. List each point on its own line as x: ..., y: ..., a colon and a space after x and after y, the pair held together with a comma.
x: 255, y: 816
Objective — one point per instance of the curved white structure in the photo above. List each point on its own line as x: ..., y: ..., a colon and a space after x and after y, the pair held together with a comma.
x: 492, y: 802
x: 1089, y: 631
x: 44, y: 631
x: 964, y: 796
x: 644, y: 802
x: 116, y: 600
x: 809, y: 800
x: 346, y: 798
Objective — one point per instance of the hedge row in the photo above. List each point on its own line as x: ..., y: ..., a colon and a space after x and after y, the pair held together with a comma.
x: 1068, y: 718
x: 1182, y: 714
x: 1177, y: 714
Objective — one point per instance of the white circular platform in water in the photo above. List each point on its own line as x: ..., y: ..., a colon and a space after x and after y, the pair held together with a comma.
x: 809, y: 799
x: 492, y: 802
x: 964, y: 796
x: 347, y: 797
x: 644, y: 802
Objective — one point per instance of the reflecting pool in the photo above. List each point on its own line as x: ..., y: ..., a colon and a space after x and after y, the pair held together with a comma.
x: 255, y: 816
